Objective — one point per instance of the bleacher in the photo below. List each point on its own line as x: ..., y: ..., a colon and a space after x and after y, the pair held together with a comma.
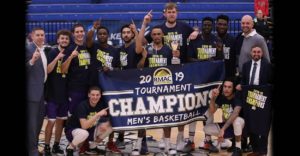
x: 49, y: 12
x: 53, y: 10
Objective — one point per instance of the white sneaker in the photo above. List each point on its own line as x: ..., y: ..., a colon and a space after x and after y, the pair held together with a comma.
x: 137, y: 148
x: 135, y: 152
x: 161, y: 144
x: 169, y: 150
x: 180, y: 145
x: 172, y: 151
x: 225, y: 144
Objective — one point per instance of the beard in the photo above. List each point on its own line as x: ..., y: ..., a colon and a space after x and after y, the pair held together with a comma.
x: 127, y: 40
x: 63, y: 47
x: 172, y: 21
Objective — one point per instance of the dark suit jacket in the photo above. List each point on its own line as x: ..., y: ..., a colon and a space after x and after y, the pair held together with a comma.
x: 35, y: 76
x: 264, y: 74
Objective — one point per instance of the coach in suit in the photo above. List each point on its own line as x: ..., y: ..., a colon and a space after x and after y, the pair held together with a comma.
x: 257, y: 72
x: 262, y: 73
x: 36, y: 71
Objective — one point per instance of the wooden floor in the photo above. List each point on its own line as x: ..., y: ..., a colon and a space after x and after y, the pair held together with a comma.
x: 157, y: 134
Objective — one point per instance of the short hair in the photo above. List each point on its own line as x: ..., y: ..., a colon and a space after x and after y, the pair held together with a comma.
x: 224, y: 17
x: 126, y: 26
x: 230, y: 79
x: 103, y: 27
x: 77, y: 25
x: 63, y: 32
x: 256, y: 45
x: 208, y: 19
x: 170, y: 5
x: 37, y: 28
x: 94, y: 88
x: 156, y: 27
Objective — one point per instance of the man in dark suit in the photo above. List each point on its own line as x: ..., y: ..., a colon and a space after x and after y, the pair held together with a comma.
x: 36, y: 71
x: 262, y: 73
x: 257, y: 72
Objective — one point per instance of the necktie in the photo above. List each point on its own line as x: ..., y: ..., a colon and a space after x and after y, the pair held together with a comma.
x: 253, y: 73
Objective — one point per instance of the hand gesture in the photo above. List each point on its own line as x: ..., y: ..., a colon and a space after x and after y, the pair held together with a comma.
x: 97, y: 24
x: 238, y: 87
x: 60, y: 55
x: 75, y: 52
x: 216, y: 92
x: 103, y: 112
x: 194, y: 35
x: 147, y: 18
x: 36, y: 55
x: 132, y: 27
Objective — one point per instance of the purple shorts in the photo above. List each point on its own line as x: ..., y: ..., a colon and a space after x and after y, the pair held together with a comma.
x: 69, y: 135
x: 57, y: 110
x: 75, y: 98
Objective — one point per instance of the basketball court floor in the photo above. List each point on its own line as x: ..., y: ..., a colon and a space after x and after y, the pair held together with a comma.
x: 153, y: 135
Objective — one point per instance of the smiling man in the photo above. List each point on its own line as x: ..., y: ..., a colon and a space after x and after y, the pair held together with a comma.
x: 36, y: 72
x: 83, y: 122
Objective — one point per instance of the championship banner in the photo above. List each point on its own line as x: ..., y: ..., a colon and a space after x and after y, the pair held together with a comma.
x: 257, y: 108
x: 161, y: 96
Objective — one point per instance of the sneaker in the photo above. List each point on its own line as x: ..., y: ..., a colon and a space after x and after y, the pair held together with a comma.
x: 237, y: 152
x: 57, y: 150
x: 69, y: 152
x: 224, y: 144
x: 169, y: 149
x: 144, y: 149
x: 137, y: 148
x: 47, y: 151
x: 84, y: 147
x: 247, y: 149
x: 95, y: 151
x: 180, y: 145
x: 162, y: 144
x: 230, y: 149
x: 210, y: 147
x: 151, y: 142
x: 189, y: 146
x: 135, y: 152
x: 150, y: 138
x: 111, y: 146
x: 172, y: 151
x: 120, y: 144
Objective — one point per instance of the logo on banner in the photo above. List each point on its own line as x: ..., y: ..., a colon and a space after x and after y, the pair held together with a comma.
x: 162, y: 76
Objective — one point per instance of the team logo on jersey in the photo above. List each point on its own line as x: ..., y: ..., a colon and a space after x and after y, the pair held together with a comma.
x: 162, y: 76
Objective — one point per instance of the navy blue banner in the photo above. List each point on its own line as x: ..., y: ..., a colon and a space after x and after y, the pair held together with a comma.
x: 162, y: 96
x: 257, y: 108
